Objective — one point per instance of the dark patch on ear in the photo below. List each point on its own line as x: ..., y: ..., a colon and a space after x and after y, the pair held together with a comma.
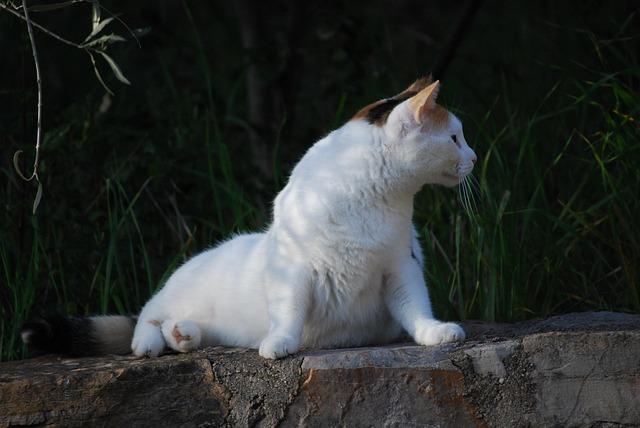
x: 378, y: 112
x: 59, y: 335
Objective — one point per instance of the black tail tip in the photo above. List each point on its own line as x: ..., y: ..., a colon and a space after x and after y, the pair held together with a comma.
x: 55, y: 334
x: 38, y: 335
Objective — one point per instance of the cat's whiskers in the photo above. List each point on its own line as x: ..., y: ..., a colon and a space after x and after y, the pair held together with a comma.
x: 475, y: 184
x: 463, y: 199
x: 472, y: 187
x: 460, y: 194
x: 467, y: 190
x: 467, y: 198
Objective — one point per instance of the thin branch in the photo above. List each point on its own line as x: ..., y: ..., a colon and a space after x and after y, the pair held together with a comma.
x: 92, y: 43
x: 39, y: 81
x: 25, y: 17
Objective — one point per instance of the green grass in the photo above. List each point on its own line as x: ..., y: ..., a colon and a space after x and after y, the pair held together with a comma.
x: 556, y: 226
x: 552, y: 226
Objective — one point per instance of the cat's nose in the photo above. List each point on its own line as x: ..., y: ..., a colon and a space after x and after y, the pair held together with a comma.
x: 474, y: 158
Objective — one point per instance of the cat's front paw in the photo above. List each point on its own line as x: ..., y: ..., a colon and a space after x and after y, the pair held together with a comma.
x: 147, y: 342
x: 436, y: 332
x: 278, y: 346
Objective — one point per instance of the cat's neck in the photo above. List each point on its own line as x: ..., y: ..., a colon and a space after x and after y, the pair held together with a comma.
x: 385, y: 183
x: 396, y: 182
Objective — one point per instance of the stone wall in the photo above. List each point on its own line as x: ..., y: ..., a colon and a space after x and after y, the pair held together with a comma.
x: 571, y: 370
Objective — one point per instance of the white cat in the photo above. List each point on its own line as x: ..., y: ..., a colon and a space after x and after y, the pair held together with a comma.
x: 339, y: 266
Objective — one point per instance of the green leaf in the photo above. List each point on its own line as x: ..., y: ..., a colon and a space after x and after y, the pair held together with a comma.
x: 109, y: 38
x: 503, y: 205
x: 16, y: 166
x: 36, y: 201
x: 115, y: 68
x: 98, y: 28
x: 95, y: 19
x: 98, y: 75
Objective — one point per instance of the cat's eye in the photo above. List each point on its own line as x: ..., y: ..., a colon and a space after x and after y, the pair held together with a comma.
x: 455, y: 140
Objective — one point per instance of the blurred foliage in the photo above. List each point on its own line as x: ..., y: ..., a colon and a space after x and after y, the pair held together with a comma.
x: 225, y: 97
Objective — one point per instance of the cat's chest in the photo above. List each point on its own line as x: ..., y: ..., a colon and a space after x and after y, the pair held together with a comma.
x: 344, y: 287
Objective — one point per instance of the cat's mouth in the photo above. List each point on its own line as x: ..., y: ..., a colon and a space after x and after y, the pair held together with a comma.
x: 451, y: 176
x: 458, y: 174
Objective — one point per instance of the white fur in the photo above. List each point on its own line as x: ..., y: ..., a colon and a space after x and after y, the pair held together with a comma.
x: 113, y: 332
x: 339, y: 266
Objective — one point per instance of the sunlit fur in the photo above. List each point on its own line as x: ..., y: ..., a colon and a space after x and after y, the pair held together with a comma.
x: 340, y: 265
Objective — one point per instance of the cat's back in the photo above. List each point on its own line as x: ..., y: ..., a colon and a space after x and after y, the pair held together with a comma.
x: 343, y: 154
x: 219, y: 268
x: 330, y: 180
x: 335, y: 193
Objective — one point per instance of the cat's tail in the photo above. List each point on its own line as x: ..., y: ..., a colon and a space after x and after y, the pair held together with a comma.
x: 79, y: 336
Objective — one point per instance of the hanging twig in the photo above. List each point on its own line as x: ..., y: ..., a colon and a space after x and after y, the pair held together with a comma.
x: 38, y: 26
x: 34, y: 51
x: 93, y: 43
x: 34, y: 174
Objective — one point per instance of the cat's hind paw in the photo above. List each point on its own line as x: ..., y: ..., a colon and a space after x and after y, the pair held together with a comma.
x: 435, y: 333
x: 277, y: 346
x: 182, y: 336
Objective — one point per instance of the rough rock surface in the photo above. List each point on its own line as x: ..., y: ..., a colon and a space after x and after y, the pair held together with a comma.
x: 571, y: 370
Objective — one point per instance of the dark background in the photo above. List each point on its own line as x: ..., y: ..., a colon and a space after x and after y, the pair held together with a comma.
x: 226, y: 96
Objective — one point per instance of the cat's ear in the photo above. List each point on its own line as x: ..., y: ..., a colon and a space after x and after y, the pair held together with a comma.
x: 413, y: 112
x: 424, y: 102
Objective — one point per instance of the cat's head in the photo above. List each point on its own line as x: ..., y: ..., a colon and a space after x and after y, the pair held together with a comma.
x: 424, y: 139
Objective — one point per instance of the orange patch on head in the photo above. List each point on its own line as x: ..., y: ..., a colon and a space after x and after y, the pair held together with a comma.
x: 438, y: 117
